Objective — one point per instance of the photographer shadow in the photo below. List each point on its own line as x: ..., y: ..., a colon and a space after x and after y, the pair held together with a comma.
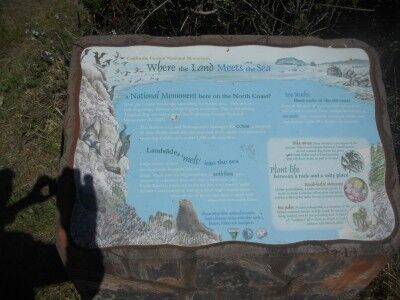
x: 25, y: 263
x: 84, y: 263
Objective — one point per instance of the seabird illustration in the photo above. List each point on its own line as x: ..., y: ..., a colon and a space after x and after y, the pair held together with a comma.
x: 127, y: 72
x: 111, y: 111
x: 97, y: 57
x: 122, y: 136
x: 103, y: 76
x: 112, y: 168
x: 116, y: 56
x: 111, y: 92
x: 126, y: 143
x: 174, y: 117
x: 85, y: 52
x: 106, y: 63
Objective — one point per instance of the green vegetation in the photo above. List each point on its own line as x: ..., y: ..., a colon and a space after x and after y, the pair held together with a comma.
x: 377, y: 172
x: 35, y: 46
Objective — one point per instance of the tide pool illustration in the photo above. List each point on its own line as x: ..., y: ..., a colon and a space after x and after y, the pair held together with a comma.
x: 206, y: 144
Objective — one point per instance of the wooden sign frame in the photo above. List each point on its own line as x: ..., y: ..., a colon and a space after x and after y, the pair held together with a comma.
x: 228, y: 269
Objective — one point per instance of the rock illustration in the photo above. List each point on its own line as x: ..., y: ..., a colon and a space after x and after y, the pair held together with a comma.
x: 102, y: 216
x: 334, y: 71
x: 187, y: 220
x: 163, y: 219
x: 290, y: 61
x: 351, y: 61
x: 356, y: 79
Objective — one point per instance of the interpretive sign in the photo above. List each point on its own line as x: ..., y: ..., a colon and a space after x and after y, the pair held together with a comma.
x: 201, y: 141
x: 203, y: 144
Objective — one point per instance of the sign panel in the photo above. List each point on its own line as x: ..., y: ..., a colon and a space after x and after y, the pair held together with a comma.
x: 204, y: 144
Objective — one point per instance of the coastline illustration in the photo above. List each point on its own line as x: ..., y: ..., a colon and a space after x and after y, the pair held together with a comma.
x: 102, y: 156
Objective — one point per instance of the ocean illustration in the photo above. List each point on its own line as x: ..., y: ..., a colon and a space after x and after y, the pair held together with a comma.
x: 136, y: 117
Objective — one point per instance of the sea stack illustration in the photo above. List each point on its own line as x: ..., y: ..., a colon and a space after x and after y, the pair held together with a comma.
x: 187, y: 220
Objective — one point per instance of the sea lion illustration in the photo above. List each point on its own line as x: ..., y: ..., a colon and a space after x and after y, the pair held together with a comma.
x: 188, y: 221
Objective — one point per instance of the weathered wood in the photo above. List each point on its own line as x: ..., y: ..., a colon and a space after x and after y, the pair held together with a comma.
x: 229, y: 270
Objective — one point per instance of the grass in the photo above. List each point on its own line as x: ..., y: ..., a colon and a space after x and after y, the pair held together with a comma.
x: 34, y: 53
x: 35, y: 43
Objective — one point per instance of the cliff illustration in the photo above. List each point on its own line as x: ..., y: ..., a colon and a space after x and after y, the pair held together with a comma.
x: 102, y: 215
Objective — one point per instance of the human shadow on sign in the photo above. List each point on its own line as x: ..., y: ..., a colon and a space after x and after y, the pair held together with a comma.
x: 25, y: 263
x: 84, y: 266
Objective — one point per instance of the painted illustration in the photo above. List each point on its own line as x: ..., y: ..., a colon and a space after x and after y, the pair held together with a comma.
x: 359, y: 219
x: 352, y: 161
x: 203, y: 144
x: 356, y: 189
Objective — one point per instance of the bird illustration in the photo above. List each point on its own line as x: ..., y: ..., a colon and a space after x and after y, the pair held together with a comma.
x: 85, y: 52
x: 91, y: 138
x: 97, y: 57
x: 111, y: 92
x: 173, y: 117
x: 112, y: 168
x: 111, y: 111
x: 126, y: 143
x: 124, y: 63
x: 127, y: 72
x: 122, y: 136
x: 106, y: 63
x: 116, y: 57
